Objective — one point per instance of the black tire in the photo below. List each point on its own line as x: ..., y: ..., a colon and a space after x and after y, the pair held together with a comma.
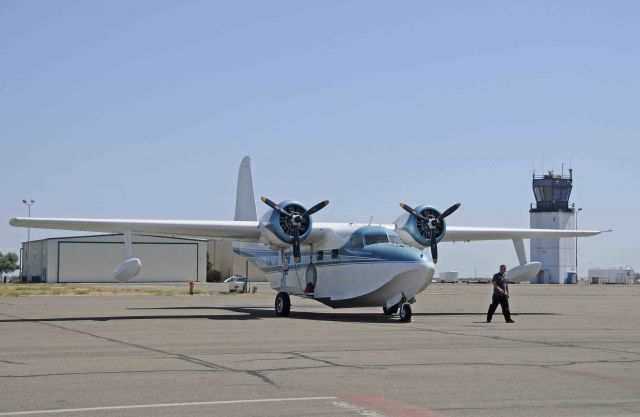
x: 283, y: 304
x: 405, y: 312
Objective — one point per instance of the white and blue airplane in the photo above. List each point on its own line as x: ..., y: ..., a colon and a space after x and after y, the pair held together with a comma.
x: 338, y: 264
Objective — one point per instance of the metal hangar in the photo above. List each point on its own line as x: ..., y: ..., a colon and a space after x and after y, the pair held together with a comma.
x: 94, y: 258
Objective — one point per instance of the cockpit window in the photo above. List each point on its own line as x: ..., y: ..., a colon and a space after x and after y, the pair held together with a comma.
x: 393, y: 238
x: 377, y: 238
x: 356, y: 241
x: 371, y: 235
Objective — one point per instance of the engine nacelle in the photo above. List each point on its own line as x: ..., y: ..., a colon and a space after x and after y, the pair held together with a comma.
x: 415, y: 232
x: 277, y: 230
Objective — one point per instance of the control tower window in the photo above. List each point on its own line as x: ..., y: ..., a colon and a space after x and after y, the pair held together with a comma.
x: 540, y: 194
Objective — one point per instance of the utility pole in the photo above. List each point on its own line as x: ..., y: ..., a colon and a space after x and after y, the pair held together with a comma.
x: 27, y: 270
x: 577, y: 211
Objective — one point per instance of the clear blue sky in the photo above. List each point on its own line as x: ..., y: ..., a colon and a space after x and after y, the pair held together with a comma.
x: 141, y: 109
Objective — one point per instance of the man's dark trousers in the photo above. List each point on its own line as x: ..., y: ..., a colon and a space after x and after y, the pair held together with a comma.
x: 504, y: 303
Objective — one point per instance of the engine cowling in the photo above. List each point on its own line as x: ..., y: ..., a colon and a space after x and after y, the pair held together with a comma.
x: 278, y: 229
x: 417, y: 232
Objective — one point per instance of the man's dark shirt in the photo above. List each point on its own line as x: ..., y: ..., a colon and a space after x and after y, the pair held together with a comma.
x: 501, y: 281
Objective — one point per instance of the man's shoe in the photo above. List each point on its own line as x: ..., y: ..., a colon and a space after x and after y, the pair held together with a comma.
x: 510, y: 321
x: 488, y: 321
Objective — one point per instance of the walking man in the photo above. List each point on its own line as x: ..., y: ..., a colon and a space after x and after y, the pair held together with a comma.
x: 500, y: 295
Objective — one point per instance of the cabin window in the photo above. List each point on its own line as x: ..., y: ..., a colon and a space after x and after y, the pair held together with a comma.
x: 377, y: 238
x: 334, y: 253
x: 319, y: 255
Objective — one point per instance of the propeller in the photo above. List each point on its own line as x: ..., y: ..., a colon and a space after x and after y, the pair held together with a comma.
x: 449, y: 211
x: 296, y: 221
x: 432, y: 224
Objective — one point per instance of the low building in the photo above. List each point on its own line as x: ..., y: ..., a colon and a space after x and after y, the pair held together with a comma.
x: 94, y: 258
x: 621, y: 275
x: 449, y: 276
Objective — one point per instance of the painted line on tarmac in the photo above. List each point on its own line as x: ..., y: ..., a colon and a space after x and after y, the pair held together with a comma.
x: 356, y: 409
x: 390, y: 406
x: 134, y: 407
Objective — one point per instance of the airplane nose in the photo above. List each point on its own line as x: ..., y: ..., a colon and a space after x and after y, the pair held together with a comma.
x: 429, y: 269
x: 415, y: 278
x: 397, y: 253
x: 418, y: 266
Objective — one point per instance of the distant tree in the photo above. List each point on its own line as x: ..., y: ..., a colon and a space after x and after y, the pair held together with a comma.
x: 8, y: 262
x: 212, y: 274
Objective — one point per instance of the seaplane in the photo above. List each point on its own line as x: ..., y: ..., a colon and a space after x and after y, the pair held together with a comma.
x: 341, y: 265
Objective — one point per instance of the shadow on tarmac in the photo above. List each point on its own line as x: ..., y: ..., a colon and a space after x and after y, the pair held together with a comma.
x: 253, y: 313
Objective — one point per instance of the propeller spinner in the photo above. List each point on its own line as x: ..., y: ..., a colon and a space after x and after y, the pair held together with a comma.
x: 432, y: 225
x: 295, y: 222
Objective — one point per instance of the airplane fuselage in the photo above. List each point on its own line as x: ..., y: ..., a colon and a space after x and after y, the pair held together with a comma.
x: 371, y: 269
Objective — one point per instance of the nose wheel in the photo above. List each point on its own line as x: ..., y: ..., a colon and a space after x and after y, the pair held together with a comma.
x: 405, y: 312
x: 283, y: 304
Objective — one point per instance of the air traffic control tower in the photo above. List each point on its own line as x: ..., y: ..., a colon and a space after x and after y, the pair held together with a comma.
x: 552, y: 211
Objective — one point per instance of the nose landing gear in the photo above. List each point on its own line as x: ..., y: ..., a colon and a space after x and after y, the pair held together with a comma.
x: 283, y: 304
x: 403, y: 305
x: 405, y: 312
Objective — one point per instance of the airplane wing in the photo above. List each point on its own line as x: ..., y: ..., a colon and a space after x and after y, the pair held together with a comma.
x: 468, y: 234
x: 234, y: 230
x: 250, y: 230
x: 323, y: 235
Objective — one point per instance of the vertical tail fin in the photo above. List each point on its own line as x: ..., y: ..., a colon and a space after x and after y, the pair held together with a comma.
x: 245, y: 199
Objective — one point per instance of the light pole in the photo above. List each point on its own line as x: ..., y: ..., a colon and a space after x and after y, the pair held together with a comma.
x: 29, y: 203
x: 577, y: 211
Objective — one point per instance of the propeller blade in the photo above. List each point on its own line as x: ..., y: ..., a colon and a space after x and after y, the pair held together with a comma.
x: 275, y: 207
x: 315, y: 208
x: 434, y: 247
x: 449, y: 211
x: 296, y: 245
x: 413, y: 212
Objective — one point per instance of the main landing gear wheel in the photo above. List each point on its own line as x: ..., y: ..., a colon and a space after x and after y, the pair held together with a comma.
x: 405, y: 312
x: 283, y: 304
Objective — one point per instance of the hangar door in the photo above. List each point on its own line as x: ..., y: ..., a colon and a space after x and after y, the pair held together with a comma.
x: 96, y: 261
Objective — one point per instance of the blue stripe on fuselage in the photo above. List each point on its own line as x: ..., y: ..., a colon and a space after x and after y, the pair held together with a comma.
x: 269, y: 260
